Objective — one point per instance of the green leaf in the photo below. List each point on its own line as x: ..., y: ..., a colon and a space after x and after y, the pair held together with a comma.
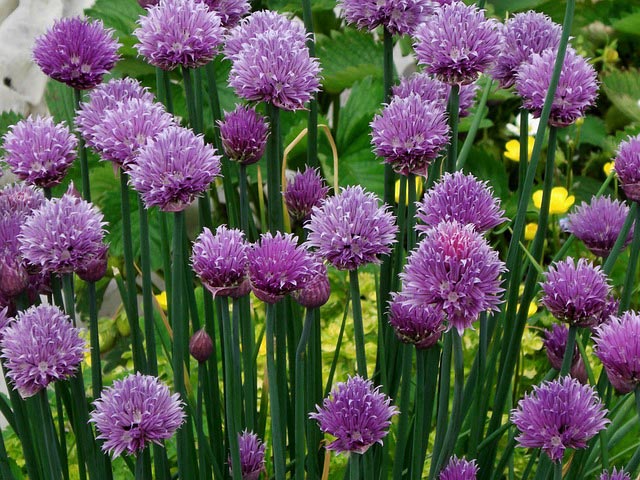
x: 629, y: 24
x: 623, y: 89
x: 8, y: 119
x: 296, y: 6
x: 60, y: 101
x: 485, y: 166
x: 121, y: 15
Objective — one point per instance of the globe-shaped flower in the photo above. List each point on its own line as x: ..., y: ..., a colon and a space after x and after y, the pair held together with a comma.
x: 399, y: 17
x: 409, y: 134
x: 174, y: 169
x: 40, y: 151
x: 220, y: 261
x: 317, y: 290
x: 524, y: 34
x: 459, y: 469
x: 19, y: 200
x: 40, y: 347
x: 77, y: 52
x: 350, y: 229
x: 617, y: 345
x: 303, y: 192
x: 598, y: 224
x: 558, y: 415
x: 277, y: 266
x: 63, y: 235
x: 14, y: 277
x: 244, y: 135
x: 229, y: 11
x: 201, y: 346
x: 357, y: 414
x: 419, y: 326
x: 454, y: 269
x: 463, y: 198
x: 627, y: 167
x: 575, y: 292
x: 458, y: 43
x: 615, y: 475
x: 134, y: 412
x: 252, y: 453
x: 555, y: 344
x: 577, y: 87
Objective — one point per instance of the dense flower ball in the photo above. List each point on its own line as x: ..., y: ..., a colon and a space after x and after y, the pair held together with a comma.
x: 617, y: 345
x: 14, y: 277
x: 5, y: 319
x: 40, y: 347
x: 615, y: 475
x: 220, y: 261
x: 575, y: 292
x: 350, y: 229
x: 409, y: 134
x: 524, y: 34
x: 20, y: 199
x: 63, y: 235
x: 303, y: 192
x: 555, y: 344
x: 174, y: 169
x: 39, y: 151
x: 244, y: 135
x: 420, y: 326
x: 454, y: 269
x: 277, y: 266
x: 598, y: 224
x: 458, y: 43
x: 229, y: 11
x: 357, y: 414
x: 134, y: 412
x: 252, y: 456
x: 399, y: 17
x: 627, y: 167
x: 459, y: 469
x: 577, y: 87
x: 558, y: 415
x: 463, y: 198
x: 77, y: 52
x: 179, y: 33
x: 317, y: 290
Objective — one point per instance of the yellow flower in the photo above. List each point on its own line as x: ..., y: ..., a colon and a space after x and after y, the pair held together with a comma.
x: 561, y: 201
x: 161, y: 298
x: 418, y: 190
x: 530, y: 230
x: 607, y: 167
x: 512, y: 149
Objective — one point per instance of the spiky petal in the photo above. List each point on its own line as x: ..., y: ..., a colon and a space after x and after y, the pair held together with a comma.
x: 230, y: 11
x: 615, y: 475
x: 252, y: 456
x: 627, y: 167
x: 419, y: 326
x: 459, y: 469
x: 555, y: 344
x: 244, y: 135
x: 303, y: 192
x: 399, y: 17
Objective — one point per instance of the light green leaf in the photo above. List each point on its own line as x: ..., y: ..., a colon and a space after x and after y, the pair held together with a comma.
x: 623, y: 89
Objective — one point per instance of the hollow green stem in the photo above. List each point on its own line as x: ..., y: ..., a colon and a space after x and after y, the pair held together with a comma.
x: 524, y: 149
x: 454, y: 115
x: 568, y: 352
x: 557, y: 471
x: 51, y: 458
x: 277, y: 423
x: 274, y: 171
x: 473, y: 129
x: 443, y: 405
x: 300, y: 403
x: 163, y: 87
x: 354, y: 466
x: 621, y: 240
x: 405, y: 401
x: 358, y: 328
x: 630, y: 275
x: 143, y: 465
x: 82, y: 153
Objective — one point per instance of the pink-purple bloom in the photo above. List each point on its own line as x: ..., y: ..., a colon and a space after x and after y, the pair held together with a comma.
x: 419, y: 326
x: 558, y: 415
x: 357, y: 414
x: 399, y: 17
x: 201, y: 345
x: 230, y: 11
x: 39, y: 151
x: 303, y: 192
x: 252, y: 456
x: 14, y: 277
x: 41, y: 346
x: 627, y: 167
x: 174, y: 169
x: 351, y: 229
x: 244, y: 135
x: 615, y: 475
x: 317, y: 290
x: 76, y: 51
x: 459, y: 469
x: 134, y: 412
x: 555, y: 344
x: 19, y: 199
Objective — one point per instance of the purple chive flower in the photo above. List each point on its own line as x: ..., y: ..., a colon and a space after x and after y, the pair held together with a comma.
x: 454, y: 269
x: 174, y: 169
x: 40, y: 151
x: 220, y: 261
x: 463, y: 198
x: 230, y: 11
x: 252, y: 453
x: 201, y: 346
x: 14, y: 277
x: 598, y: 224
x: 350, y: 229
x: 410, y: 133
x: 136, y: 411
x: 420, y: 326
x: 77, y: 52
x: 575, y: 292
x: 177, y: 33
x: 558, y: 415
x: 63, y: 235
x: 615, y: 475
x: 459, y: 469
x: 303, y: 192
x: 126, y: 128
x: 277, y: 266
x: 617, y: 345
x: 627, y: 167
x: 555, y: 344
x: 317, y: 290
x: 357, y: 414
x: 577, y: 87
x: 244, y: 135
x: 5, y: 320
x: 19, y: 200
x: 40, y: 347
x: 524, y: 34
x: 458, y: 43
x: 399, y: 17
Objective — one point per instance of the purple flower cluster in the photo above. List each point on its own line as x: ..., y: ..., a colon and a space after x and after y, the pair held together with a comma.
x: 555, y: 343
x: 627, y: 167
x: 459, y: 469
x: 230, y: 11
x: 303, y: 192
x: 399, y: 17
x: 615, y: 475
x: 420, y: 326
x: 317, y: 290
x: 244, y: 135
x: 252, y: 456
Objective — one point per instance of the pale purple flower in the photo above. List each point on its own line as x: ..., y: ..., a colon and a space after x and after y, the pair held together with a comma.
x: 244, y: 135
x: 577, y: 87
x: 575, y: 292
x: 14, y: 277
x: 598, y: 224
x: 555, y: 344
x: 41, y: 346
x: 627, y: 167
x: 458, y: 43
x: 177, y: 33
x: 351, y: 229
x: 39, y: 151
x: 558, y: 415
x: 357, y: 414
x: 454, y: 269
x: 174, y: 169
x: 5, y: 320
x: 230, y: 11
x: 419, y: 326
x: 524, y: 34
x: 459, y: 469
x: 134, y: 412
x: 19, y: 200
x: 399, y: 17
x: 303, y: 192
x: 463, y: 198
x: 317, y: 290
x: 410, y: 134
x: 252, y: 456
x: 615, y: 475
x: 76, y: 51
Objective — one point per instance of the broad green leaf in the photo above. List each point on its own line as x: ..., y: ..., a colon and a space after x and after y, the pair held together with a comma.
x: 485, y: 166
x: 623, y: 89
x: 629, y: 24
x: 7, y: 119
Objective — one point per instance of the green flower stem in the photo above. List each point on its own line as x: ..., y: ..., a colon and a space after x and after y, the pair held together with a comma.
x: 313, y: 395
x: 454, y: 116
x: 82, y: 153
x: 354, y: 466
x: 475, y: 125
x: 62, y: 431
x: 5, y: 469
x: 163, y: 86
x: 277, y: 422
x: 198, y: 99
x: 524, y: 149
x: 557, y: 471
x: 411, y: 212
x: 190, y: 96
x: 443, y: 405
x: 213, y: 407
x: 358, y: 328
x: 199, y: 420
x: 300, y: 403
x: 50, y: 455
x: 312, y: 119
x: 621, y: 240
x: 274, y: 173
x: 143, y: 465
x: 247, y: 334
x: 634, y: 462
x: 477, y: 422
x: 387, y: 63
x: 426, y: 380
x: 402, y: 440
x: 244, y: 200
x: 630, y: 275
x: 568, y: 352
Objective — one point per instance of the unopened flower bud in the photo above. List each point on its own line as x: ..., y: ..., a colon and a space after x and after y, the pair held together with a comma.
x: 201, y: 346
